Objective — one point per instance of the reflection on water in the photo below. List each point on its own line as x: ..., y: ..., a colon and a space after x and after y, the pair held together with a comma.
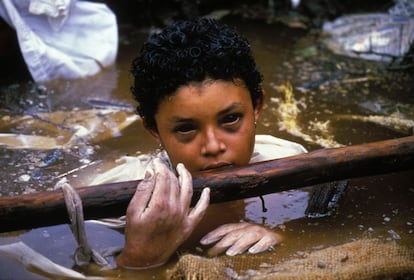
x: 289, y: 205
x: 339, y: 101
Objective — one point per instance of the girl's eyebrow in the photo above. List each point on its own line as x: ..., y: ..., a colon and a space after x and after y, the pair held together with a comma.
x: 175, y: 120
x: 230, y: 108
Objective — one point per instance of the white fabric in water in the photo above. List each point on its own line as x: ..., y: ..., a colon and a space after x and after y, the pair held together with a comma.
x: 63, y: 39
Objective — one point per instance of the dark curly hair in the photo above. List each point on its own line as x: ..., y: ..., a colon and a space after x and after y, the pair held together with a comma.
x: 191, y: 51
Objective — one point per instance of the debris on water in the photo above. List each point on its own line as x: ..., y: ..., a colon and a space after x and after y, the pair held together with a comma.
x: 29, y: 190
x: 24, y: 178
x: 51, y: 158
x: 56, y: 130
x: 26, y: 98
x: 394, y: 235
x: 385, y: 106
x: 35, y: 142
x: 376, y: 36
x: 109, y: 104
x: 393, y: 122
x: 323, y: 81
x: 85, y: 161
x: 37, y: 174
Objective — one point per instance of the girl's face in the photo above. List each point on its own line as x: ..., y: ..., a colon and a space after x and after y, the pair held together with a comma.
x: 208, y: 125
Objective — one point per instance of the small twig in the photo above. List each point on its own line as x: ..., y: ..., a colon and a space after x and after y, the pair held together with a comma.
x: 78, y: 168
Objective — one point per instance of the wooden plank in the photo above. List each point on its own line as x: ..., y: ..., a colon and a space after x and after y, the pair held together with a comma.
x: 231, y: 183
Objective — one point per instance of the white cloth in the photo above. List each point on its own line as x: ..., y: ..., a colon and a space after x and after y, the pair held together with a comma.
x: 64, y: 39
x: 57, y: 11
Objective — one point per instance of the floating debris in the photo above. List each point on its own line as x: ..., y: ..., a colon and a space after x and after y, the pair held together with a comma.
x: 394, y: 235
x: 24, y: 178
x: 376, y: 36
x: 109, y: 104
x: 393, y: 122
x: 63, y: 129
x: 34, y: 142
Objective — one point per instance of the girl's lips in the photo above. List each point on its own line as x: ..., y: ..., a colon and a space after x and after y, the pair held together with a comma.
x: 216, y: 165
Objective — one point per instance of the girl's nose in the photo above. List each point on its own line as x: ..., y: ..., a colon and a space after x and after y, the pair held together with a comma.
x: 212, y: 145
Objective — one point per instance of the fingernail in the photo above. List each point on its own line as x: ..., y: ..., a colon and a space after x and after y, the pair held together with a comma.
x: 231, y: 252
x: 204, y: 241
x: 148, y: 174
x: 256, y: 249
x: 252, y: 250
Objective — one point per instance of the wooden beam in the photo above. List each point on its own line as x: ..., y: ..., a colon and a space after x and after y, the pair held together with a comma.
x: 231, y: 183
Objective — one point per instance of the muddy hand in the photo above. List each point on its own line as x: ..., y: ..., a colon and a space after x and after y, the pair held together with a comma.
x: 237, y: 238
x: 159, y: 218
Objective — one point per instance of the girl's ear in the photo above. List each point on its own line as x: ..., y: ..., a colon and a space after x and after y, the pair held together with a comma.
x: 153, y: 132
x: 259, y: 105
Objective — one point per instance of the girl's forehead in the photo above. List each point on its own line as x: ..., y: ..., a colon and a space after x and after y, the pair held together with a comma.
x: 206, y: 97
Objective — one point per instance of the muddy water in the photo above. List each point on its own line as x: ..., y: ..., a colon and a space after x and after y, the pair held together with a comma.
x: 332, y: 97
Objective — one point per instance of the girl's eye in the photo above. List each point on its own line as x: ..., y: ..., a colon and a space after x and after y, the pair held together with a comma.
x: 231, y: 119
x: 185, y: 133
x: 185, y: 129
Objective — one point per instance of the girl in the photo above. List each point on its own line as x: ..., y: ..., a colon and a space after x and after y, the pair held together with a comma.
x: 199, y: 93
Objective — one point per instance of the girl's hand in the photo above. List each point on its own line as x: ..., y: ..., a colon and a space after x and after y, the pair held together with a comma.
x: 236, y: 238
x: 159, y: 218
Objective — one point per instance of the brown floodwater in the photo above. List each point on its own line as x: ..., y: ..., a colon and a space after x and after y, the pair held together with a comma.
x: 333, y: 97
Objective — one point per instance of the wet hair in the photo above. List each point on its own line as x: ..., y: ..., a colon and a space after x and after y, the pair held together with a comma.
x: 187, y: 52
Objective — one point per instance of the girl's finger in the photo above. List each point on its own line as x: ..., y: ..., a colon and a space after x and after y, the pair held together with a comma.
x: 221, y: 231
x: 142, y: 195
x: 264, y: 244
x: 186, y: 185
x: 164, y: 186
x: 197, y: 213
